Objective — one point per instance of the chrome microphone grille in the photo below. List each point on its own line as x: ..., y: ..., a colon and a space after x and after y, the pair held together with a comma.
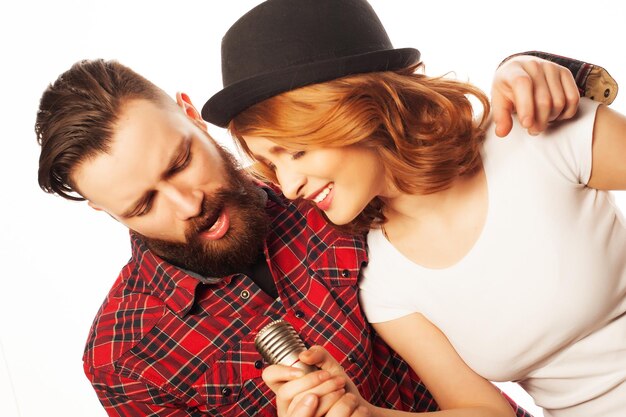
x: 279, y: 343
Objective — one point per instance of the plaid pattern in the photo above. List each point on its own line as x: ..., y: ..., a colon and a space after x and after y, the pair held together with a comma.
x: 166, y: 344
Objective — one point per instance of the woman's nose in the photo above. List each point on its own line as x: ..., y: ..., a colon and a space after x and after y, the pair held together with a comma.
x: 291, y: 183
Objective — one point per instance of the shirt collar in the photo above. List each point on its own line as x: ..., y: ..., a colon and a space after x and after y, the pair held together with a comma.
x: 274, y: 195
x: 175, y: 286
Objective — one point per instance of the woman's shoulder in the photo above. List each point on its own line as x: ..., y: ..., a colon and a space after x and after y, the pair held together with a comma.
x: 565, y: 147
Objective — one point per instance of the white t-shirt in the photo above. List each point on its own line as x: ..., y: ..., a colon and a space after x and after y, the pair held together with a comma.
x: 541, y: 297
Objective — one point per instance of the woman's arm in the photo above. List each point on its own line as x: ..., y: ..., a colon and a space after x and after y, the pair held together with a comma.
x: 539, y: 91
x: 608, y: 169
x: 458, y: 390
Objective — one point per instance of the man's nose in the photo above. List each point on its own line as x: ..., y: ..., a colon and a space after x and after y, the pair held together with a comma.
x: 291, y: 182
x: 187, y: 202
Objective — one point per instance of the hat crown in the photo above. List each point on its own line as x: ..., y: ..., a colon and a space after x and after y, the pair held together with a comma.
x: 279, y: 34
x: 281, y: 45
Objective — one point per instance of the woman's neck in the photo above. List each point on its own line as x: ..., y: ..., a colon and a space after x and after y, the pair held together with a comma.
x: 412, y: 208
x: 437, y: 230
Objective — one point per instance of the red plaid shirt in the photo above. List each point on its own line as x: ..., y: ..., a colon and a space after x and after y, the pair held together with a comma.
x: 164, y: 343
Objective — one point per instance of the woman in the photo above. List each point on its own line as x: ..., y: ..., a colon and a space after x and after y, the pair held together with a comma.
x: 460, y: 220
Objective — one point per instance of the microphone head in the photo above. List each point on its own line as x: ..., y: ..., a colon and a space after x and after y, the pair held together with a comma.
x: 279, y: 343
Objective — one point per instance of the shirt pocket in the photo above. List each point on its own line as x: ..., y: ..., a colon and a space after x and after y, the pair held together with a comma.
x: 232, y: 385
x: 340, y: 264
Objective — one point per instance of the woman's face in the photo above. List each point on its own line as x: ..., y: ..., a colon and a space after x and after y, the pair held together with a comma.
x: 340, y: 181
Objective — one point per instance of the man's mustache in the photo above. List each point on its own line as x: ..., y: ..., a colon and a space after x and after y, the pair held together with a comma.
x: 210, y: 210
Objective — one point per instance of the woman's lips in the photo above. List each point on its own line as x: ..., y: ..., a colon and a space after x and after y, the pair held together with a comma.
x: 325, y: 197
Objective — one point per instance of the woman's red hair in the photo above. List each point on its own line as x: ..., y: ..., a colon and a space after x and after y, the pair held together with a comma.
x: 423, y: 127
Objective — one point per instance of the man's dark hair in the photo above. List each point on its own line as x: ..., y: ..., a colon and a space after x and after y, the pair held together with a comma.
x: 77, y: 114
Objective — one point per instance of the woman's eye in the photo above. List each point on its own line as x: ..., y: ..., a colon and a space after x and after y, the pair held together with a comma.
x: 297, y: 155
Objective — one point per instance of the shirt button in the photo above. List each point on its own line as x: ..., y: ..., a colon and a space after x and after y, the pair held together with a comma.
x: 258, y: 364
x: 226, y: 391
x: 351, y: 358
x: 299, y: 314
x: 345, y: 273
x: 245, y: 294
x: 607, y: 92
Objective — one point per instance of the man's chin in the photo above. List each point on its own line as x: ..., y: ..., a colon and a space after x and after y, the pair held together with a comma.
x: 205, y: 257
x: 238, y: 247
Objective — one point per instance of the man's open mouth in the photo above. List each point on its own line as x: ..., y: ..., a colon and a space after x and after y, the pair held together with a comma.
x: 216, y: 225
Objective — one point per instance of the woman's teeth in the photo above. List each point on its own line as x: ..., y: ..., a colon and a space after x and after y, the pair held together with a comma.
x: 321, y: 196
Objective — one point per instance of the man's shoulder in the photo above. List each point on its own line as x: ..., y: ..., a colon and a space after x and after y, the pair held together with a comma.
x: 301, y: 221
x: 125, y: 316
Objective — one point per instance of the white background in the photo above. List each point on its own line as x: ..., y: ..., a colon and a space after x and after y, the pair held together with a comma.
x: 60, y: 258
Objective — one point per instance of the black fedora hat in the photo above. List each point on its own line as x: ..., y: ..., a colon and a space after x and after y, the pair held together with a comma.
x: 281, y: 45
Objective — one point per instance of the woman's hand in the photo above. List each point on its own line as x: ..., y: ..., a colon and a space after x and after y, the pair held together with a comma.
x: 539, y: 91
x: 335, y: 394
x: 346, y: 406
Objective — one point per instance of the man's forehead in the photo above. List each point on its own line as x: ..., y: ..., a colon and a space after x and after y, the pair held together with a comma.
x: 144, y: 138
x: 141, y: 118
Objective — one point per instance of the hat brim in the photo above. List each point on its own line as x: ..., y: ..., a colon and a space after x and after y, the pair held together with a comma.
x: 237, y: 97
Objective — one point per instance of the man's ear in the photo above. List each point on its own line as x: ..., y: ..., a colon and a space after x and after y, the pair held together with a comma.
x: 98, y: 208
x: 94, y: 206
x: 190, y: 110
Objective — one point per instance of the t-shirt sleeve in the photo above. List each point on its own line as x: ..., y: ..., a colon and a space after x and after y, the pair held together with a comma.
x: 568, y: 143
x: 377, y: 310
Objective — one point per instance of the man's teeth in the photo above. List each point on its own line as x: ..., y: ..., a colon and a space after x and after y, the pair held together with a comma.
x: 213, y: 227
x: 321, y: 196
x: 216, y: 223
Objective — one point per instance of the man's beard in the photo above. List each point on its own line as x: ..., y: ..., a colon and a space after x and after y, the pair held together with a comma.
x: 239, y: 247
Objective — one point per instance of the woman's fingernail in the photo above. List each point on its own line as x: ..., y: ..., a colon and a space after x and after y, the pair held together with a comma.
x: 322, y: 375
x: 527, y: 122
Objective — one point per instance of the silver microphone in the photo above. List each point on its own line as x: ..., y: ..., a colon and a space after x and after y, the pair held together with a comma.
x: 279, y: 343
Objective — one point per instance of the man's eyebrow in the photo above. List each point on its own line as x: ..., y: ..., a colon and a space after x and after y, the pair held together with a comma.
x: 182, y: 148
x: 178, y: 156
x: 142, y: 200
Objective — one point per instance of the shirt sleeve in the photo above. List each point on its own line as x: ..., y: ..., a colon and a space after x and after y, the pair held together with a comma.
x: 376, y: 310
x: 380, y: 283
x: 569, y: 143
x: 122, y: 397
